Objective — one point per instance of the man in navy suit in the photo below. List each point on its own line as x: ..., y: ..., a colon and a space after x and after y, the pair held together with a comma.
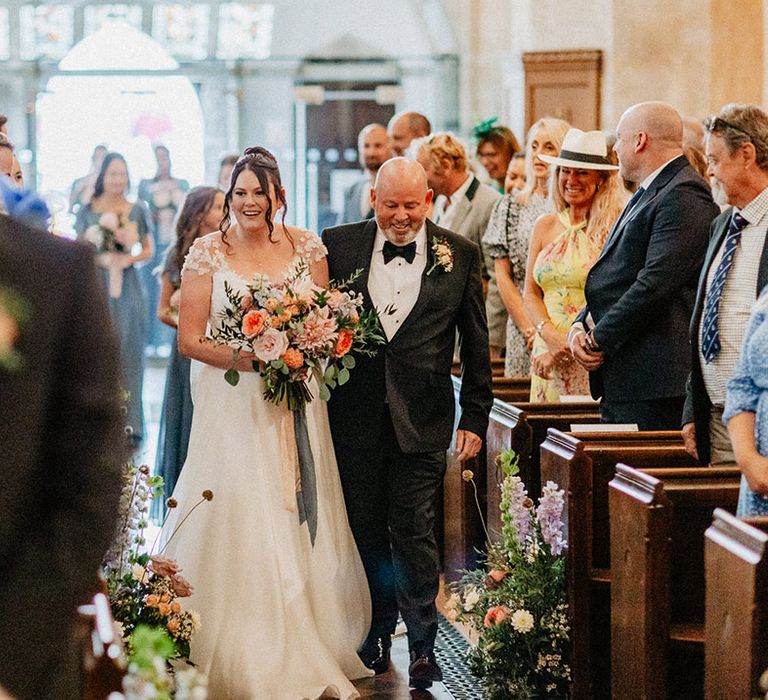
x: 633, y: 333
x: 392, y: 422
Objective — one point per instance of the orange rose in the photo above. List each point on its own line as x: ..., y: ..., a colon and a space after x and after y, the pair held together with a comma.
x: 176, y: 607
x: 497, y: 575
x: 496, y: 615
x: 253, y: 323
x: 343, y: 343
x: 173, y: 626
x: 152, y: 600
x: 165, y: 598
x: 164, y: 609
x: 293, y: 358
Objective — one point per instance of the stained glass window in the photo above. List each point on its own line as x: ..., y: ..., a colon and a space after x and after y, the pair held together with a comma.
x: 182, y: 29
x: 4, y: 49
x: 245, y: 30
x: 46, y: 30
x: 97, y: 15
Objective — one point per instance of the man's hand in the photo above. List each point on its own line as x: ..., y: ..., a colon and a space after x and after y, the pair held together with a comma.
x: 467, y: 445
x: 689, y: 439
x: 582, y: 350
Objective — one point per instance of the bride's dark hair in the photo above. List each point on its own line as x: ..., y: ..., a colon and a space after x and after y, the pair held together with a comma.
x: 262, y: 164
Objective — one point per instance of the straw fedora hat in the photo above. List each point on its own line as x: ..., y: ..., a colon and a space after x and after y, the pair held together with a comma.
x: 582, y: 149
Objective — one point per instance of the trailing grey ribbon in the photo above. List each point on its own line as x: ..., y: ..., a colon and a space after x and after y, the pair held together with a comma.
x: 306, y: 494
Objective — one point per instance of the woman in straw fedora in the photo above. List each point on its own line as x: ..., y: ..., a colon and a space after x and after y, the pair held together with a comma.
x: 588, y: 197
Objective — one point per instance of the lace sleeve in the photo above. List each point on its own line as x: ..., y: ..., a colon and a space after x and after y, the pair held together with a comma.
x: 204, y: 257
x: 496, y: 238
x: 310, y: 247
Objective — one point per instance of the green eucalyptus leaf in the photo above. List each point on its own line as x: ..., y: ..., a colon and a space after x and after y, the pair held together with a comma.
x: 348, y: 361
x: 232, y: 376
x: 343, y: 376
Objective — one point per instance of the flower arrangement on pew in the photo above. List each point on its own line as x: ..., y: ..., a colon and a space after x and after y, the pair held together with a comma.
x: 144, y: 588
x: 517, y: 604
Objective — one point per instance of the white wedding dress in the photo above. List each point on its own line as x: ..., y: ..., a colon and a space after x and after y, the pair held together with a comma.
x: 281, y: 619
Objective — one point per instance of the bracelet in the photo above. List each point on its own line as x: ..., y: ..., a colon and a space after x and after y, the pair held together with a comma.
x: 540, y: 325
x: 528, y: 332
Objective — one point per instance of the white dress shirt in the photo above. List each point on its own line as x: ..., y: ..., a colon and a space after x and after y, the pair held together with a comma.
x: 446, y: 206
x: 396, y: 284
x: 738, y: 297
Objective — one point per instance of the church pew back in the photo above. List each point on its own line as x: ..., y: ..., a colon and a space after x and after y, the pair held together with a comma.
x: 582, y: 465
x: 736, y: 613
x: 658, y: 518
x: 523, y: 427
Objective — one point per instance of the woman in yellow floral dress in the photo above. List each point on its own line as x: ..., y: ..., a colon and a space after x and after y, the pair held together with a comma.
x: 588, y: 198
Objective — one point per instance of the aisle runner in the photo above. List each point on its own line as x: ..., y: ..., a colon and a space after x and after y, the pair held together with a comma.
x: 451, y: 651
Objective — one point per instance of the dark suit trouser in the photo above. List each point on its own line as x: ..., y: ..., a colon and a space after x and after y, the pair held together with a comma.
x: 390, y: 499
x: 655, y: 414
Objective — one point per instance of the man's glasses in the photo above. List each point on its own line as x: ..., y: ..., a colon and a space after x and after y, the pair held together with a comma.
x: 717, y: 124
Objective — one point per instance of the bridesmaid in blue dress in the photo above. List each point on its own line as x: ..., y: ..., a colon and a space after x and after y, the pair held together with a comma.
x: 746, y: 413
x: 119, y: 229
x: 200, y: 214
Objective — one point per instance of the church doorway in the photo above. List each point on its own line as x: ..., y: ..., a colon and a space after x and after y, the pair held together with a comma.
x: 120, y: 88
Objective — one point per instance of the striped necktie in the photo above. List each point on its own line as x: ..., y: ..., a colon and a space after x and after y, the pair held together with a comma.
x: 710, y: 336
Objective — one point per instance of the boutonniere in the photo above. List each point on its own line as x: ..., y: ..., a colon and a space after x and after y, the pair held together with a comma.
x: 13, y: 312
x: 443, y: 253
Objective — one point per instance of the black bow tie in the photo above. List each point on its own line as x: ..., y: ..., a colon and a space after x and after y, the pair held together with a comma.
x: 390, y: 251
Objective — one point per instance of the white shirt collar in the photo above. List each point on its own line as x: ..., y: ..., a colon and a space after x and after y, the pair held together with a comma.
x: 757, y: 209
x: 645, y: 184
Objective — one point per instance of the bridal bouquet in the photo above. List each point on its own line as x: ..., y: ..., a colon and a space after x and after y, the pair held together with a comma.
x: 517, y: 604
x: 295, y: 328
x: 112, y: 237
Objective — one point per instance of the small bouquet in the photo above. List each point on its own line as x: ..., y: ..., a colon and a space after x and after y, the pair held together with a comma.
x: 517, y: 604
x: 144, y: 589
x: 14, y: 312
x: 113, y: 236
x: 295, y: 328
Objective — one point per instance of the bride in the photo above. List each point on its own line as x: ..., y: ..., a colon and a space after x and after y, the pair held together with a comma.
x: 281, y: 619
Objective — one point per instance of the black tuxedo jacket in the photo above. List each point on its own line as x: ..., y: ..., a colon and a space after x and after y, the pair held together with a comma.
x: 412, y: 372
x: 640, y: 292
x: 61, y: 447
x: 697, y: 403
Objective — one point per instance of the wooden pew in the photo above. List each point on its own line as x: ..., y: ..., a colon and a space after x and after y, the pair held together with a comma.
x: 512, y: 389
x: 582, y: 465
x: 523, y: 427
x: 103, y: 665
x: 736, y: 612
x: 658, y: 519
x: 461, y: 531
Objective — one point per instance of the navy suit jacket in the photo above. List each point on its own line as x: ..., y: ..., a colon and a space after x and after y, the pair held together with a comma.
x: 641, y: 290
x: 697, y: 403
x: 412, y: 372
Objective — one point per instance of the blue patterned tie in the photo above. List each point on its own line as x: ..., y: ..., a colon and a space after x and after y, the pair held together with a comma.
x: 710, y: 336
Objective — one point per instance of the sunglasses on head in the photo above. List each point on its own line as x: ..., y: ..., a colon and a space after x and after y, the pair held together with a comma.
x: 717, y: 124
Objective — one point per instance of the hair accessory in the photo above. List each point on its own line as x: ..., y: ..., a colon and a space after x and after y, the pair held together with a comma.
x: 484, y: 128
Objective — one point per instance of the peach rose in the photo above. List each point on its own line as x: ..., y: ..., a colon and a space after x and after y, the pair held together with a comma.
x: 293, y: 358
x: 152, y: 600
x: 270, y: 345
x: 181, y: 587
x: 176, y: 607
x: 343, y: 343
x: 164, y: 609
x: 164, y: 566
x: 165, y: 598
x: 496, y: 615
x: 173, y: 626
x: 497, y: 575
x: 271, y: 305
x: 253, y: 323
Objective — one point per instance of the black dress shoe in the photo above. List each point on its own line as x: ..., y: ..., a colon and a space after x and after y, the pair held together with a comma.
x: 423, y: 671
x: 375, y: 654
